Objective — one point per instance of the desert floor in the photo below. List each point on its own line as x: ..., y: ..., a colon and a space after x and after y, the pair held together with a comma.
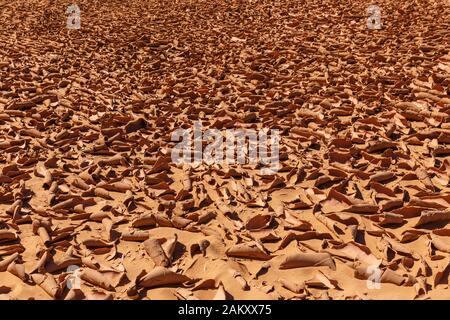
x: 92, y: 206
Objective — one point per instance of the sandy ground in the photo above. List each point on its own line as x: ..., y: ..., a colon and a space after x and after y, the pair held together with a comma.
x: 93, y: 207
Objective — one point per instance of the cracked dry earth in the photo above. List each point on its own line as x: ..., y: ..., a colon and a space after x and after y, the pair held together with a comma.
x: 92, y: 206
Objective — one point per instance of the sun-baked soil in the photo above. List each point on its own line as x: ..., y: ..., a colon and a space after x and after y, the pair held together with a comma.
x: 87, y: 180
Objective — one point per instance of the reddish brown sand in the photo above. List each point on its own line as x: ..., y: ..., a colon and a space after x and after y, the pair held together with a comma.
x: 86, y: 179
